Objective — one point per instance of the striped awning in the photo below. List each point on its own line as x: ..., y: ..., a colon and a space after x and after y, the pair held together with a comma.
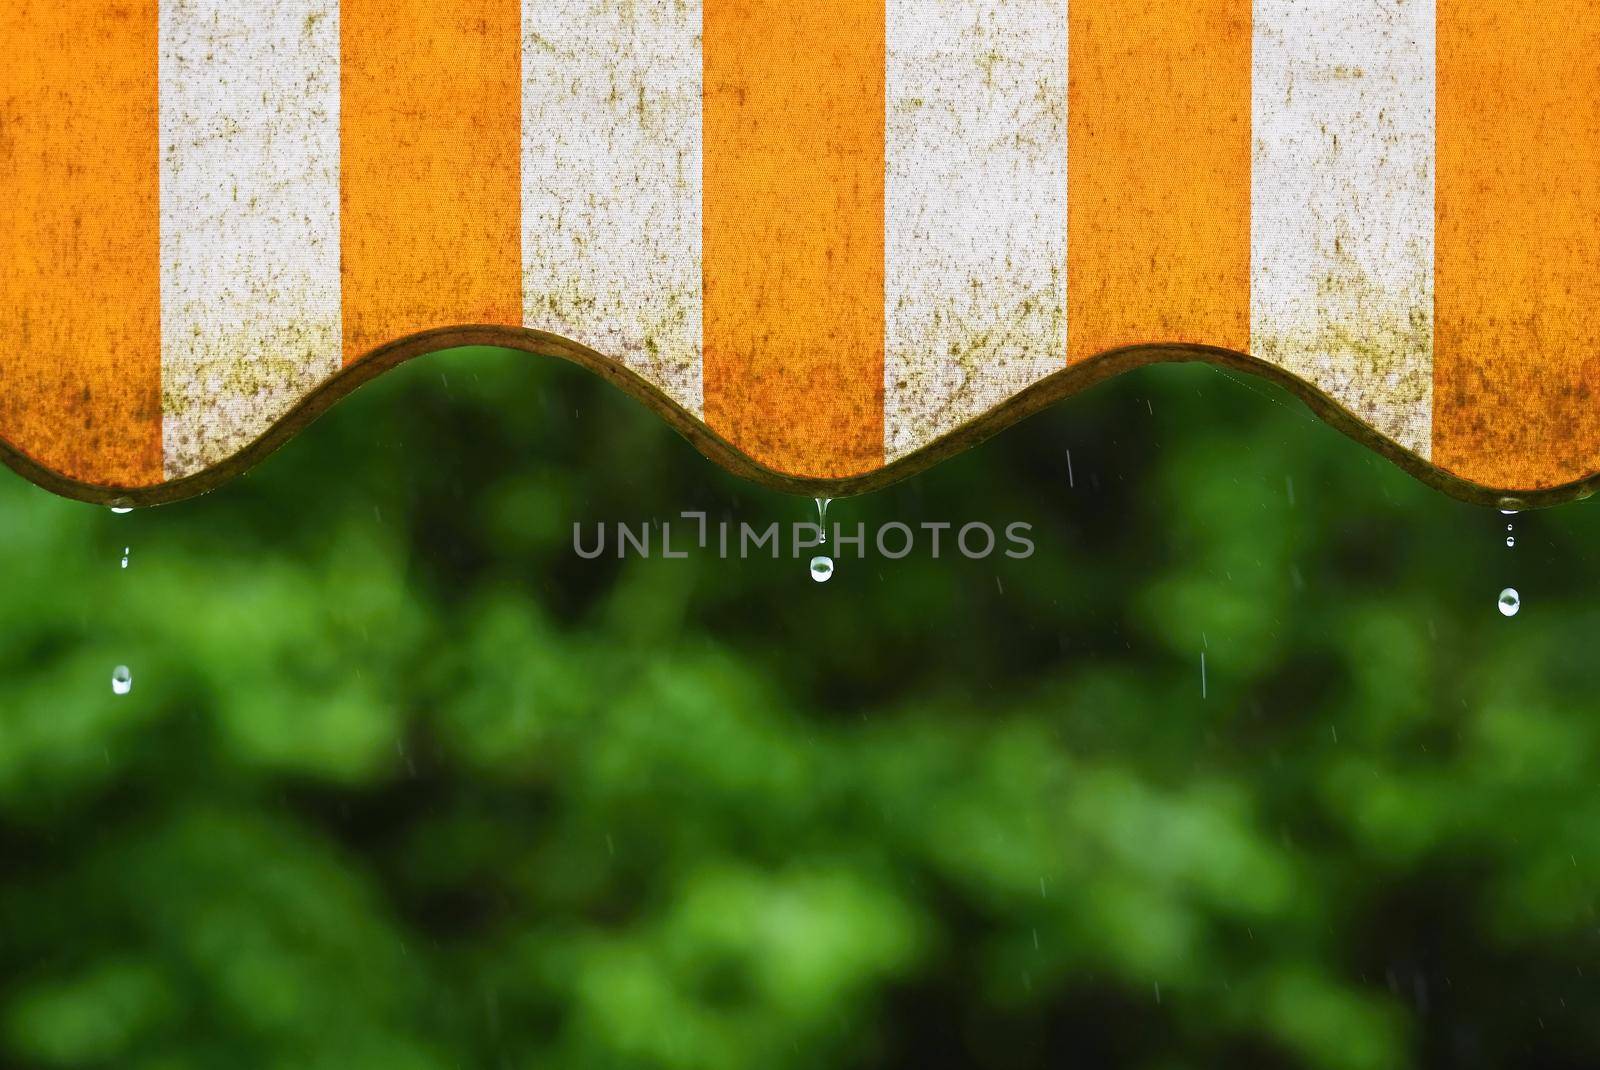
x: 831, y: 241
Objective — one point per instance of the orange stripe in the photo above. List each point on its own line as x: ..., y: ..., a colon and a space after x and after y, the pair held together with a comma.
x: 793, y: 231
x: 430, y: 129
x: 1158, y: 173
x: 1517, y: 256
x: 80, y: 252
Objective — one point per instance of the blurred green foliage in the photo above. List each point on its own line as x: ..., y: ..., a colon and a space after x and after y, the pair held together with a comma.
x: 404, y: 783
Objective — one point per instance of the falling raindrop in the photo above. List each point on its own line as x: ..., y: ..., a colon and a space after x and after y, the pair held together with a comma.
x: 1511, y: 540
x: 822, y: 565
x: 1510, y: 602
x: 125, y: 550
x: 121, y: 680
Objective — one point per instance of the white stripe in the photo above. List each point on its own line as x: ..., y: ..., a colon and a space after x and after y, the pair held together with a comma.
x: 250, y: 316
x: 976, y: 215
x: 1342, y: 204
x: 611, y: 182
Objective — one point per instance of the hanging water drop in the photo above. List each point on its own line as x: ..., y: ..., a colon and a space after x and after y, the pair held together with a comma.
x: 1510, y: 602
x: 822, y: 565
x: 121, y: 505
x: 121, y: 680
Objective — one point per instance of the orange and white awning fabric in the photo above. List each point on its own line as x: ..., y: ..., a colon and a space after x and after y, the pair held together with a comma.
x: 827, y: 239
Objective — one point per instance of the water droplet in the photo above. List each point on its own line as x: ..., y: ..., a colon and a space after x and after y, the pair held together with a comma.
x: 1508, y: 512
x: 1510, y: 528
x: 822, y: 566
x: 1511, y: 540
x: 125, y: 557
x: 121, y: 505
x: 121, y: 680
x: 1510, y: 602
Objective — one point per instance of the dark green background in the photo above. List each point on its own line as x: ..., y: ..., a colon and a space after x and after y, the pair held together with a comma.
x: 403, y: 783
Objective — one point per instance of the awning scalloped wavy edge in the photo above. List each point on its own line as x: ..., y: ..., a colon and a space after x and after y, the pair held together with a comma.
x: 1068, y: 382
x: 829, y: 243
